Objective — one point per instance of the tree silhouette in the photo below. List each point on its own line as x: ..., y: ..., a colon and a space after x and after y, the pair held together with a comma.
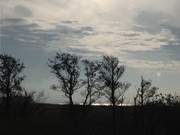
x: 110, y: 74
x: 165, y: 100
x: 66, y: 68
x: 23, y: 102
x: 10, y: 77
x: 145, y: 92
x: 91, y: 92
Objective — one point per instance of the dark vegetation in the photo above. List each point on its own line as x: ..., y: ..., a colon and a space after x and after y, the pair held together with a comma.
x: 96, y: 120
x: 23, y: 112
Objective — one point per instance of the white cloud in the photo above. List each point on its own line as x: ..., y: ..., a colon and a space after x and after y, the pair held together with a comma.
x: 114, y: 42
x: 154, y: 65
x: 91, y: 11
x: 112, y: 20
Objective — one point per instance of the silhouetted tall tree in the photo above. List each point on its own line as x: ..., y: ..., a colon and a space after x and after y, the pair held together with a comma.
x: 66, y: 68
x: 91, y: 92
x: 145, y: 92
x: 110, y: 74
x: 10, y: 77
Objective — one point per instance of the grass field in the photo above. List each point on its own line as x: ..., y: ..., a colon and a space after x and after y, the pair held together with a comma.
x: 95, y: 120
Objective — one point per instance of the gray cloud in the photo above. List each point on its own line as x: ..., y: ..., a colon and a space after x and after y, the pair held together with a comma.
x: 154, y: 22
x: 151, y: 22
x: 69, y: 22
x: 24, y: 33
x: 134, y: 34
x: 22, y: 11
x: 174, y: 30
x: 173, y: 51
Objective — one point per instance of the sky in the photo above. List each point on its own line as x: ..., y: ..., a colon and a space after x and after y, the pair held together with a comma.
x: 143, y: 34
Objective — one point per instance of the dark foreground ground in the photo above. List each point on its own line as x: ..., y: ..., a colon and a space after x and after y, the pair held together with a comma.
x: 96, y: 120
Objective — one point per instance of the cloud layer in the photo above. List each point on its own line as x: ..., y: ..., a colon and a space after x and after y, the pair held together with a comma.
x: 144, y: 34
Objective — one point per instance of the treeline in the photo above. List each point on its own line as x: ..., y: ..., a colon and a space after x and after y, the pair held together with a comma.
x: 96, y: 79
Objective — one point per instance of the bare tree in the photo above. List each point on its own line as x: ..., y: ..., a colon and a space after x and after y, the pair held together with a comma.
x: 110, y: 74
x: 10, y: 77
x: 66, y: 68
x: 91, y: 92
x: 145, y: 92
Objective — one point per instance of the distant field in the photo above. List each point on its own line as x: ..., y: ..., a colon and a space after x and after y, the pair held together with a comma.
x: 95, y: 120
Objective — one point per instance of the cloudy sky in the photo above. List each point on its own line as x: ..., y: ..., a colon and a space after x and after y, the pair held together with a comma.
x: 143, y: 34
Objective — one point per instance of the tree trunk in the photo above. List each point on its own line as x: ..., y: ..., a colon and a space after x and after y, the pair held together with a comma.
x: 7, y: 102
x: 90, y: 99
x: 114, y: 119
x: 114, y: 112
x: 70, y: 100
x: 85, y: 101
